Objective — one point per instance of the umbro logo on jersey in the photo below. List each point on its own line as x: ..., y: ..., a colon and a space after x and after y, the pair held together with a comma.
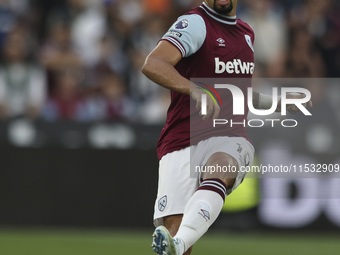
x: 221, y: 42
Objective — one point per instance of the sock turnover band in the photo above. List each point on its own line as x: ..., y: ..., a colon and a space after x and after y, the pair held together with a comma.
x: 215, y: 185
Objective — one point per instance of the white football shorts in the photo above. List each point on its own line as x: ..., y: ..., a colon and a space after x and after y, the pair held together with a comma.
x: 179, y: 178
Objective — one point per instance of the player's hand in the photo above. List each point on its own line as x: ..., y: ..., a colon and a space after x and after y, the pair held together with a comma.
x: 213, y: 110
x: 292, y: 108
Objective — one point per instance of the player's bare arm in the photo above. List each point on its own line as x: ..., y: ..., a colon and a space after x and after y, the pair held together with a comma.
x: 159, y: 67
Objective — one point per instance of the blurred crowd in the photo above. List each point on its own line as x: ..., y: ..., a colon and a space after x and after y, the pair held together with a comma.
x: 80, y: 59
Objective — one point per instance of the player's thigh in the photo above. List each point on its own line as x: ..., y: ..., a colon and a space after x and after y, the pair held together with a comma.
x: 176, y: 185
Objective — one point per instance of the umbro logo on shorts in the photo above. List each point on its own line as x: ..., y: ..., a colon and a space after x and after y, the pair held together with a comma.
x: 236, y: 66
x: 239, y: 149
x: 162, y: 203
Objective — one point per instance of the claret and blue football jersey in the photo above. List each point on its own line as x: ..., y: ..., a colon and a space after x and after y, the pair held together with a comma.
x: 212, y: 46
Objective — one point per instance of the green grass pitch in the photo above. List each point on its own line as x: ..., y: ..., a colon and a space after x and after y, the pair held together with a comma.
x: 86, y: 242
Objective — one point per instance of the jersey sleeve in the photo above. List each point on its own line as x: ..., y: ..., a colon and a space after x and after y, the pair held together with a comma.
x: 187, y: 34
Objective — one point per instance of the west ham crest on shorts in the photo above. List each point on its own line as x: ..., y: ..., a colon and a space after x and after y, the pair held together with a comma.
x: 182, y: 24
x: 162, y: 203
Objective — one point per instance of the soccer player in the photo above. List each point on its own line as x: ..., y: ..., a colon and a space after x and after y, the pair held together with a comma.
x: 206, y: 42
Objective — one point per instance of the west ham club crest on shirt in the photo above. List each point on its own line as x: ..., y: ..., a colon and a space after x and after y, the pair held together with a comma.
x: 248, y: 39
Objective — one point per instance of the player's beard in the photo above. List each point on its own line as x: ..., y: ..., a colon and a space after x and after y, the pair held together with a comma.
x: 224, y: 10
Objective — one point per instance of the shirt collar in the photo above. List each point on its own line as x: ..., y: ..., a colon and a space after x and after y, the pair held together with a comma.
x: 219, y: 17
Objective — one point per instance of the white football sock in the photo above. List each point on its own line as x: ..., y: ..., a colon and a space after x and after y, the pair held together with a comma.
x: 200, y: 212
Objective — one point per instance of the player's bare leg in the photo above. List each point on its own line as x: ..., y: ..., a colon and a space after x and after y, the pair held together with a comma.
x: 172, y: 223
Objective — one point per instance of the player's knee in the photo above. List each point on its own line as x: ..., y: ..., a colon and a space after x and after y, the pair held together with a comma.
x: 222, y: 159
x: 222, y: 166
